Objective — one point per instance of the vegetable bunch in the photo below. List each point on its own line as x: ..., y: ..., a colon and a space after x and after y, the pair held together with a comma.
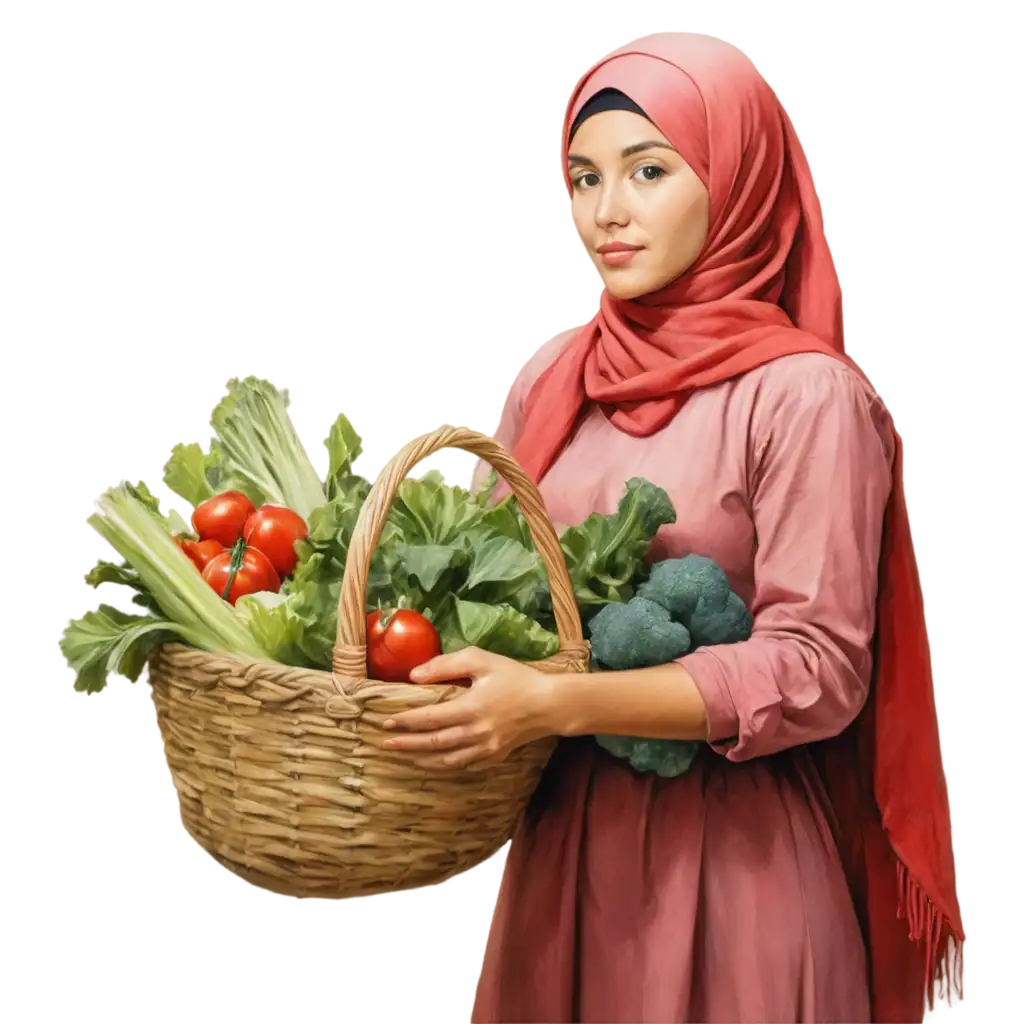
x: 260, y: 573
x: 685, y: 603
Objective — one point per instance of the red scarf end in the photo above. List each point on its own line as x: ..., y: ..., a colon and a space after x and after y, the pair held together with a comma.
x: 944, y: 949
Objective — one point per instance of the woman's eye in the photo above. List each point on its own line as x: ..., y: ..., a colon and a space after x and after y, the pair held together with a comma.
x: 650, y: 172
x: 582, y: 182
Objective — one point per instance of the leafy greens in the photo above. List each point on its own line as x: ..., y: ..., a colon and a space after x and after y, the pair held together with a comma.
x: 465, y: 561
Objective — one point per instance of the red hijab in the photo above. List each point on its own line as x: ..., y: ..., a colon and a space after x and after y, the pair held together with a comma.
x: 764, y: 287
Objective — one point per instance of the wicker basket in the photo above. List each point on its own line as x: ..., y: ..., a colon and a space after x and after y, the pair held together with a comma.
x: 281, y: 774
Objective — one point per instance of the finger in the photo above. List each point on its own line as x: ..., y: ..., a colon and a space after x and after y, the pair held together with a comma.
x: 465, y: 757
x: 470, y: 661
x: 457, y: 711
x: 443, y: 739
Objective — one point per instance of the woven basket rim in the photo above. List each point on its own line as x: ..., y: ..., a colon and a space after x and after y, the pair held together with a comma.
x: 274, y: 684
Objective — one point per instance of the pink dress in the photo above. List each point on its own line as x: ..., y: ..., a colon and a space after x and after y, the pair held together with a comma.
x: 716, y: 896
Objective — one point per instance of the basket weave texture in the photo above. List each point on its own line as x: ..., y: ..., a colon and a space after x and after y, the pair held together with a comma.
x: 280, y: 771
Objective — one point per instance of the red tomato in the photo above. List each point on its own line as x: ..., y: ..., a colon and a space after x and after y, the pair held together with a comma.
x: 275, y: 529
x: 222, y: 517
x: 398, y: 641
x: 254, y: 573
x: 202, y: 552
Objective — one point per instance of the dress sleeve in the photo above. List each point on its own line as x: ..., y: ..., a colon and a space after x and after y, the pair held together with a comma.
x: 821, y: 473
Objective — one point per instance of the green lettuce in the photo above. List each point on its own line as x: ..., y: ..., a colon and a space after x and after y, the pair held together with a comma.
x: 466, y: 561
x: 108, y: 640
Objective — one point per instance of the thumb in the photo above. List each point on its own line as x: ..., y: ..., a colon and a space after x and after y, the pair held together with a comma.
x: 470, y: 661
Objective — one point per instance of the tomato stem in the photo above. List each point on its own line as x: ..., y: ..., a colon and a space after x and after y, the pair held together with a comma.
x: 237, y: 554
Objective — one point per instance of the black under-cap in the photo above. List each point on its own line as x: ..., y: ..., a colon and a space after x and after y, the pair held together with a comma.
x: 605, y: 99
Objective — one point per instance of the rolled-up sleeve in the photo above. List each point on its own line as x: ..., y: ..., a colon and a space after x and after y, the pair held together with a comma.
x: 821, y: 457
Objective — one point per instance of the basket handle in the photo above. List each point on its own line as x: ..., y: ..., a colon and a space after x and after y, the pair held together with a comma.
x: 374, y: 513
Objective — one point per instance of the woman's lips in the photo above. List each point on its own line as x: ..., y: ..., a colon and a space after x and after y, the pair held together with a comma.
x: 617, y: 254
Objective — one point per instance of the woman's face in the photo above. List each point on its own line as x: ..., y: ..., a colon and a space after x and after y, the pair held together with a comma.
x: 630, y: 187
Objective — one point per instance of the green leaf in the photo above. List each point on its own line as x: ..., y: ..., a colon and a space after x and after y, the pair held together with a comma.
x: 502, y: 560
x: 428, y: 511
x: 299, y: 626
x: 317, y: 606
x: 484, y: 491
x: 428, y: 563
x: 323, y: 554
x: 503, y: 630
x: 506, y: 520
x: 605, y: 554
x: 344, y: 446
x: 150, y: 502
x: 186, y: 473
x: 331, y: 527
x: 257, y: 442
x: 277, y: 625
x: 108, y: 640
x: 315, y: 586
x: 648, y: 502
x: 446, y: 622
x: 308, y: 569
x: 533, y: 598
x: 108, y: 572
x: 383, y: 585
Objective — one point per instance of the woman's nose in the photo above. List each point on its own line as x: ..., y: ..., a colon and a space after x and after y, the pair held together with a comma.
x: 611, y: 207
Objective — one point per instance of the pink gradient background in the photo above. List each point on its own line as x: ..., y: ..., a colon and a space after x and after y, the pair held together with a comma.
x: 185, y: 192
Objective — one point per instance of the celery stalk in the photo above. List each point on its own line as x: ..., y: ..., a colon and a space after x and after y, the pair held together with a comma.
x: 199, y: 614
x: 258, y: 442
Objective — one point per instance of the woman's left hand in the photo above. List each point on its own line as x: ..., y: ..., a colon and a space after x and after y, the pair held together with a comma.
x: 506, y: 706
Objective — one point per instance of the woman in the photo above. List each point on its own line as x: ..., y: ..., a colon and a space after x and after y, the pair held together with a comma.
x: 771, y: 881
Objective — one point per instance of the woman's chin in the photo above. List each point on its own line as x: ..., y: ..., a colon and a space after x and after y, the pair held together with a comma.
x: 627, y: 284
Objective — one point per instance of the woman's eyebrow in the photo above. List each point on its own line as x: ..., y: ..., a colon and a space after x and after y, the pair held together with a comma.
x: 637, y: 147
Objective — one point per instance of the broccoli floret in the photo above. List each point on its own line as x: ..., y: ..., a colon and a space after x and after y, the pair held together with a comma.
x: 669, y: 758
x: 636, y: 635
x: 728, y: 625
x: 678, y: 584
x: 686, y: 602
